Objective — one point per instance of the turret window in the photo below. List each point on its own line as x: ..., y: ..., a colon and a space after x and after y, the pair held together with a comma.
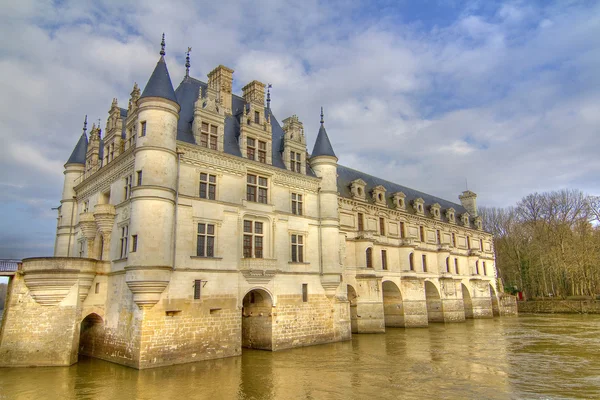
x: 208, y: 186
x: 143, y: 129
x: 128, y: 184
x: 134, y: 243
x: 257, y: 189
x: 139, y: 178
x: 253, y: 239
x: 124, y: 235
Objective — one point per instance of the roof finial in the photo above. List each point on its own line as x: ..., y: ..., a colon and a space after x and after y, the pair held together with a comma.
x: 269, y: 86
x: 85, y: 125
x: 187, y: 62
x: 162, y: 46
x: 322, y: 120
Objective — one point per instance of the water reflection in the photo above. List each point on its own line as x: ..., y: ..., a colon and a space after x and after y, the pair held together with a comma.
x: 526, y: 357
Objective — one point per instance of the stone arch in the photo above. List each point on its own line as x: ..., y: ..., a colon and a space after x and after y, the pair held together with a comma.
x: 467, y: 301
x: 393, y: 307
x: 435, y: 313
x: 257, y: 320
x: 495, y: 303
x: 352, y: 298
x: 91, y: 333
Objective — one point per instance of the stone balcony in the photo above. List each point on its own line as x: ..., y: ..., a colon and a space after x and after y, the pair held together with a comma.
x: 258, y: 270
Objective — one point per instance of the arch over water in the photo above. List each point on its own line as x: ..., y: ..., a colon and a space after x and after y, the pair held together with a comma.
x: 91, y: 334
x: 352, y: 297
x: 468, y: 303
x: 435, y: 313
x: 393, y: 307
x: 257, y: 320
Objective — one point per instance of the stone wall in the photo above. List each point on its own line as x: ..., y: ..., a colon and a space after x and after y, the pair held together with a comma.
x: 560, y: 307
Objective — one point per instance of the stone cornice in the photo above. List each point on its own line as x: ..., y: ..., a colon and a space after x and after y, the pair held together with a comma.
x: 105, y: 176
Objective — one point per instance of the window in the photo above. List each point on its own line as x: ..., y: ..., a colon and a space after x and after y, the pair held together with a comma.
x: 257, y: 189
x: 208, y: 186
x: 124, y: 235
x: 305, y: 292
x: 208, y: 136
x: 134, y: 242
x: 448, y: 264
x: 296, y: 204
x: 484, y: 268
x: 139, y: 178
x: 295, y: 161
x: 421, y: 234
x: 86, y: 206
x: 205, y: 247
x: 424, y: 260
x: 383, y: 259
x: 481, y: 244
x: 477, y: 267
x: 143, y: 130
x: 369, y: 255
x: 468, y: 243
x: 456, y: 266
x: 454, y: 240
x: 253, y: 239
x: 197, y: 288
x: 262, y: 152
x: 112, y: 151
x: 438, y: 236
x: 81, y: 249
x: 128, y: 184
x: 97, y: 288
x: 256, y: 117
x: 361, y: 226
x: 382, y: 226
x: 297, y: 248
x: 251, y: 150
x: 402, y: 234
x: 411, y: 262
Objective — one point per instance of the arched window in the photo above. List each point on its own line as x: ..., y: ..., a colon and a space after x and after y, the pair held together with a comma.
x: 448, y: 264
x: 477, y: 267
x: 411, y: 261
x: 369, y: 258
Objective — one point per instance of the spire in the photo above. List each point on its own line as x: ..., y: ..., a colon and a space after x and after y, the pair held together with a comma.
x: 269, y: 86
x: 187, y: 63
x: 159, y: 84
x: 80, y: 150
x: 322, y: 144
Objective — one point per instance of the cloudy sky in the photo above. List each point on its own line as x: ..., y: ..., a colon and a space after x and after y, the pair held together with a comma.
x: 425, y: 93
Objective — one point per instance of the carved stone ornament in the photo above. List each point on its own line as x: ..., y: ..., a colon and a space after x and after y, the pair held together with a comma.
x: 357, y: 188
x: 418, y: 206
x: 378, y: 195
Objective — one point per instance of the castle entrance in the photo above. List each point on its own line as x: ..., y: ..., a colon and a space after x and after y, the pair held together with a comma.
x: 435, y: 312
x: 468, y: 303
x: 257, y: 320
x: 393, y: 308
x: 91, y: 330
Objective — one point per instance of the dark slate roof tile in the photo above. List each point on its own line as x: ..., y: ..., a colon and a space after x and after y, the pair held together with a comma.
x: 322, y: 144
x: 79, y: 152
x: 159, y: 84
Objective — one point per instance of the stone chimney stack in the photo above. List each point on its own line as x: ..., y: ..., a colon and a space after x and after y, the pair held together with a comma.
x: 254, y: 92
x: 468, y: 200
x: 221, y: 80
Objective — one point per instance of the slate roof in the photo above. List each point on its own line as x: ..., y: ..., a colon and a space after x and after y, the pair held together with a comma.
x: 78, y: 154
x: 159, y: 84
x: 322, y: 144
x: 347, y: 175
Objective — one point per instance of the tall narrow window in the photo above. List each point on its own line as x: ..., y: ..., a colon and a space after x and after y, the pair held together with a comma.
x: 481, y: 244
x: 454, y: 240
x: 411, y: 261
x: 477, y: 267
x: 139, y: 178
x: 256, y: 117
x: 208, y: 186
x: 305, y: 292
x: 86, y: 206
x: 81, y: 249
x: 257, y: 188
x: 297, y: 248
x: 383, y: 259
x: 251, y: 149
x: 484, y: 268
x: 97, y: 288
x: 197, y: 288
x: 421, y: 234
x: 369, y: 256
x: 143, y: 129
x: 262, y: 152
x: 212, y: 143
x: 448, y: 264
x: 253, y: 239
x: 382, y: 226
x: 128, y: 184
x: 205, y: 246
x: 134, y: 243
x: 402, y: 234
x: 456, y: 266
x: 438, y: 236
x: 361, y: 222
x: 295, y: 161
x: 424, y: 258
x: 297, y: 204
x: 124, y: 235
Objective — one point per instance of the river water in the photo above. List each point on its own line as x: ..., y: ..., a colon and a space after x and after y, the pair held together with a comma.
x: 525, y: 357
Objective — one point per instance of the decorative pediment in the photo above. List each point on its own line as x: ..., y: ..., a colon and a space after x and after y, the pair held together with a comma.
x: 435, y: 211
x: 357, y: 188
x: 399, y: 201
x: 378, y: 195
x: 451, y: 215
x: 465, y: 219
x: 419, y: 206
x: 478, y: 223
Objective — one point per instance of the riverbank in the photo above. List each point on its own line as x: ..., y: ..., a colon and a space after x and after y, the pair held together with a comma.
x: 559, y: 307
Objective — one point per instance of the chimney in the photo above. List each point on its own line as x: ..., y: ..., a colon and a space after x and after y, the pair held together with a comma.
x: 221, y: 80
x: 254, y: 92
x: 468, y: 200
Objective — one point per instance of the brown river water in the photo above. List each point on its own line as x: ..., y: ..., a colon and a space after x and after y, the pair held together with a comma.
x: 525, y: 357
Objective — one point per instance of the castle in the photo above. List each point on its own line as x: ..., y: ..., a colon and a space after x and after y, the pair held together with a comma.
x: 197, y: 224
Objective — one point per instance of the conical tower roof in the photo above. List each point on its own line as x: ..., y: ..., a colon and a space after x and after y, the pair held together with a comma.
x: 159, y: 84
x: 322, y: 144
x: 79, y: 152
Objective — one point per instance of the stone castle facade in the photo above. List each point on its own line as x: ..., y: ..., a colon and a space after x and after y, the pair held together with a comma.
x: 197, y: 224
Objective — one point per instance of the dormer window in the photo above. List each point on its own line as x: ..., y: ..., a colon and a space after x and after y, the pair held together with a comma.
x: 256, y: 117
x: 379, y: 195
x: 295, y: 161
x: 357, y: 188
x: 450, y: 215
x: 465, y: 219
x: 399, y: 201
x: 208, y: 136
x: 478, y: 223
x: 435, y: 211
x: 418, y: 206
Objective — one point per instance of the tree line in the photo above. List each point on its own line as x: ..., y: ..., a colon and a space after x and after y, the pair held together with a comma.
x: 548, y: 244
